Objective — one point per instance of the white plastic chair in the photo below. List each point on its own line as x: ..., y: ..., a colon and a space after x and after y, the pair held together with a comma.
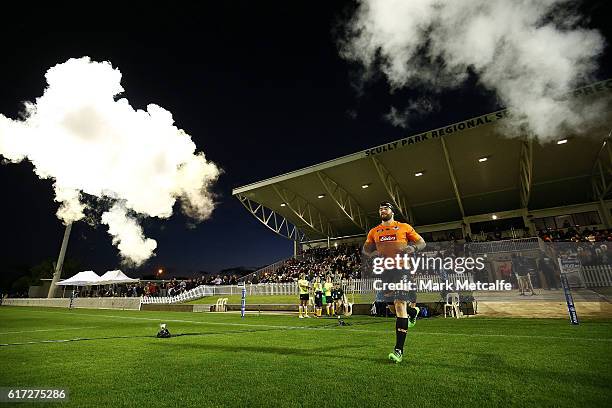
x: 452, y: 302
x: 221, y: 305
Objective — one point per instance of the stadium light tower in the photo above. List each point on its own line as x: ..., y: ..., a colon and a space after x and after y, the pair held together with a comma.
x: 60, y: 262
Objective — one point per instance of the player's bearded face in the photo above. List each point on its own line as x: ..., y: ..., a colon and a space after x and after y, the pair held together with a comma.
x: 385, y: 213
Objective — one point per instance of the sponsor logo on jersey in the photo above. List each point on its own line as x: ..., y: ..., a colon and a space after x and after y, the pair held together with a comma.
x: 386, y: 238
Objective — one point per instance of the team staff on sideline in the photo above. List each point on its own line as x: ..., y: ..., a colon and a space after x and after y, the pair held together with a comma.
x: 388, y: 239
x: 338, y: 295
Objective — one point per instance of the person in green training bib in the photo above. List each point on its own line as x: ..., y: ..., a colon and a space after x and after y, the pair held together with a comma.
x: 303, y: 286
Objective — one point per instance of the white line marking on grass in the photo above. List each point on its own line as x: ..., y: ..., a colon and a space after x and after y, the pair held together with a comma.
x: 328, y: 328
x: 48, y: 330
x: 36, y: 342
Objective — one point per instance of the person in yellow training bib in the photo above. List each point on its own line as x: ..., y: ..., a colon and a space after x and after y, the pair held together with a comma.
x: 327, y: 288
x: 303, y: 286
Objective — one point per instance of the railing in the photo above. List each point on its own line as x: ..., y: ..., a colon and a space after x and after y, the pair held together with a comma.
x: 287, y: 288
x: 597, y: 276
x: 193, y: 294
x: 511, y: 245
x: 592, y: 276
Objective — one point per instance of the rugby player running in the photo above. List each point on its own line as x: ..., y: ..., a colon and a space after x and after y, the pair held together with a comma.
x: 389, y: 239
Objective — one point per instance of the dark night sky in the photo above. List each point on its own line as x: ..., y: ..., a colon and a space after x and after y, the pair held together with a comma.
x: 261, y: 90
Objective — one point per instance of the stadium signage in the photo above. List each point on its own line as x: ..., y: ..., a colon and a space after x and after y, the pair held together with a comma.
x: 603, y: 86
x: 569, y: 264
x: 598, y: 87
x: 433, y: 134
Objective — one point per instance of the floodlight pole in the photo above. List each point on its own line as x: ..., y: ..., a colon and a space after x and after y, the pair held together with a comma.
x: 60, y: 262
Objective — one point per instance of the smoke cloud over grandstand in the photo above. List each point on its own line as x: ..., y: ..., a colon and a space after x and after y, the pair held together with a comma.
x: 88, y: 141
x: 417, y: 107
x: 528, y: 52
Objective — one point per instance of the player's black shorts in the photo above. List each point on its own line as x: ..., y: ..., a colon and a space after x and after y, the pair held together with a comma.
x: 318, y: 299
x: 397, y: 276
x: 403, y: 295
x: 303, y: 296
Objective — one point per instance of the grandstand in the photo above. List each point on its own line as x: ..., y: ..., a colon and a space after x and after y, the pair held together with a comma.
x: 464, y: 179
x: 462, y: 183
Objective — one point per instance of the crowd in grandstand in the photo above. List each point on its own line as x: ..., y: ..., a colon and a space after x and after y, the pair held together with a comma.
x: 343, y: 260
x: 173, y: 287
x: 594, y: 247
x: 574, y: 235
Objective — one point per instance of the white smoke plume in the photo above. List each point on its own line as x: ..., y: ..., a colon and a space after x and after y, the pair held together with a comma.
x: 530, y: 52
x: 128, y: 235
x: 415, y: 109
x: 77, y: 134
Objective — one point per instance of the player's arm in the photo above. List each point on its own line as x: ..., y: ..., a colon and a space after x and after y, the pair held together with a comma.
x: 419, y: 244
x: 415, y: 241
x: 369, y: 247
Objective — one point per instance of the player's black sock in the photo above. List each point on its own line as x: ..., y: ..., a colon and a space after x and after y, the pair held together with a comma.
x: 401, y: 328
x: 411, y: 312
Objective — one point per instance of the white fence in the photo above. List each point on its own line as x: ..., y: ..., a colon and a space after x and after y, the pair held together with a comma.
x: 597, y: 276
x: 286, y: 288
x: 195, y: 293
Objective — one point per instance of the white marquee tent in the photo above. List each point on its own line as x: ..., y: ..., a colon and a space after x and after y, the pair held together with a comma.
x: 116, y: 276
x: 85, y: 278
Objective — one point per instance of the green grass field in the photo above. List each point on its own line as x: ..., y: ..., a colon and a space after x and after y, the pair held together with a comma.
x: 111, y: 358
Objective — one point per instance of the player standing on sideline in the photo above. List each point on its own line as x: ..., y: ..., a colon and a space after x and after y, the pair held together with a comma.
x: 303, y: 286
x: 318, y: 293
x: 387, y: 240
x: 338, y: 296
x: 328, y: 295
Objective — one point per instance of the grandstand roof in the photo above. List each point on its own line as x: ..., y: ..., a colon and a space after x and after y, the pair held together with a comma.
x: 518, y: 173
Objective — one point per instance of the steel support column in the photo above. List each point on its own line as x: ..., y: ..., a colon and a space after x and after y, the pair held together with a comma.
x: 345, y: 201
x: 526, y: 172
x: 451, y: 173
x: 394, y: 190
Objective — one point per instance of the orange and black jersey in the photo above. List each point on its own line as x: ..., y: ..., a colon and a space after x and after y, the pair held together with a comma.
x: 391, y: 240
